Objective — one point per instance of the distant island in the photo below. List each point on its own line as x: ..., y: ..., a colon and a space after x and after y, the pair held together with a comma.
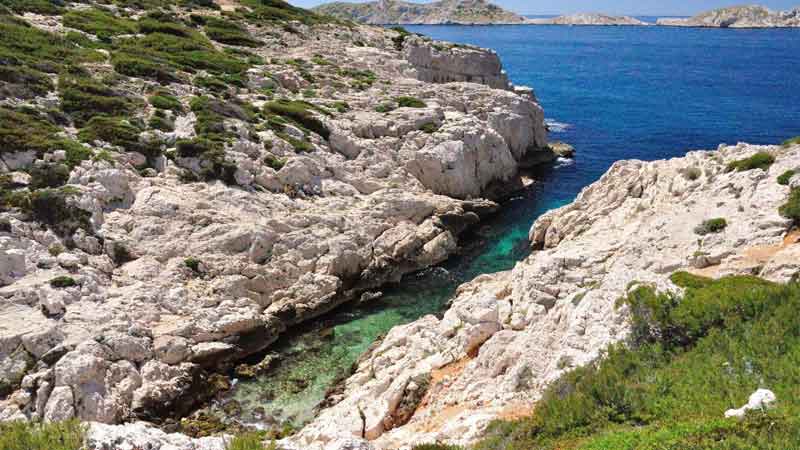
x: 395, y: 12
x: 589, y: 19
x: 752, y: 16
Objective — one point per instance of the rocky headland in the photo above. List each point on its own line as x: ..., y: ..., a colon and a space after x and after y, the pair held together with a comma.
x: 508, y: 335
x: 395, y: 12
x: 750, y: 16
x: 590, y: 19
x: 166, y: 213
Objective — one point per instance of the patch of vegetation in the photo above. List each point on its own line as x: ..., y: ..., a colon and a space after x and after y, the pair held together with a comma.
x: 193, y: 264
x: 48, y: 176
x: 168, y: 45
x: 400, y: 39
x: 430, y: 128
x: 436, y: 447
x: 299, y: 145
x: 250, y: 441
x: 791, y: 209
x: 760, y: 160
x: 49, y: 207
x: 300, y: 113
x: 220, y: 83
x: 711, y: 226
x: 785, y: 177
x: 385, y: 107
x: 793, y: 141
x: 99, y: 22
x: 116, y: 131
x: 409, y: 102
x: 341, y: 107
x: 212, y: 159
x: 46, y: 7
x: 228, y: 32
x: 167, y: 101
x: 63, y: 282
x: 274, y: 162
x: 691, y: 173
x: 211, y: 114
x: 69, y: 435
x: 689, y: 359
x: 83, y: 97
x: 31, y: 131
x: 280, y: 11
x: 362, y: 79
x: 160, y: 123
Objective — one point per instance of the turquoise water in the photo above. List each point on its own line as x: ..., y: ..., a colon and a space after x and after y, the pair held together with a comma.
x: 613, y: 93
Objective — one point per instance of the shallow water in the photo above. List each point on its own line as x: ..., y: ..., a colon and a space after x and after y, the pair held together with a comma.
x: 612, y: 92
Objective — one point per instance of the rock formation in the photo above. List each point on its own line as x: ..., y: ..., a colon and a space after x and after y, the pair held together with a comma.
x: 290, y: 166
x: 589, y: 19
x: 507, y: 335
x: 751, y: 16
x: 396, y: 12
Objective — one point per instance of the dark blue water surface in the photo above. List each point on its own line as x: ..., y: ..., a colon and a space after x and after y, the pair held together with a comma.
x: 613, y: 93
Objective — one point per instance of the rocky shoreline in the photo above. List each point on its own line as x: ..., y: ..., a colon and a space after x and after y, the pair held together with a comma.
x: 508, y: 335
x: 183, y: 261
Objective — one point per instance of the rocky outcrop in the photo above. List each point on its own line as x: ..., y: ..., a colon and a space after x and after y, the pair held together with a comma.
x: 507, y: 335
x: 751, y: 16
x: 383, y: 12
x: 147, y: 273
x: 590, y: 19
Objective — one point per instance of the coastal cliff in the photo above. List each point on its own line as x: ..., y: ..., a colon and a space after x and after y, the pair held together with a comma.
x: 590, y: 19
x: 166, y: 213
x: 395, y: 12
x: 751, y: 16
x: 509, y: 335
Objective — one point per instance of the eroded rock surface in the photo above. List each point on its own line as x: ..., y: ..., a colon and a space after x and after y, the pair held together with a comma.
x: 249, y: 207
x: 507, y: 335
x: 750, y: 16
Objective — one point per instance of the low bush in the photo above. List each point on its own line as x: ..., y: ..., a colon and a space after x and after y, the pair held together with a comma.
x: 711, y: 226
x: 193, y: 264
x: 691, y: 173
x: 161, y: 123
x: 785, y: 177
x: 760, y: 160
x: 83, y: 97
x: 69, y: 435
x: 50, y: 207
x: 274, y: 162
x: 410, y: 102
x: 299, y: 112
x: 115, y: 131
x: 46, y: 7
x: 792, y: 141
x: 400, y: 39
x: 690, y: 359
x: 227, y: 32
x: 48, y: 176
x: 63, y: 282
x: 791, y: 209
x: 167, y: 101
x: 99, y: 22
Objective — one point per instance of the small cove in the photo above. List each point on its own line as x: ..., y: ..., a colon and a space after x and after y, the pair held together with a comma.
x: 612, y: 92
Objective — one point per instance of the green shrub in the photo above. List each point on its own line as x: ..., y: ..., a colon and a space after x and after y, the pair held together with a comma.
x: 436, y: 447
x: 83, y: 98
x: 50, y: 207
x: 193, y: 148
x: 299, y: 145
x: 48, y: 176
x: 160, y: 123
x: 47, y: 7
x: 430, y: 128
x: 400, y: 39
x: 760, y: 160
x: 274, y: 162
x: 785, y: 177
x: 163, y: 100
x: 115, y: 131
x: 792, y: 141
x: 63, y: 282
x: 362, y: 79
x: 279, y: 11
x: 341, y: 107
x: 409, y: 102
x: 192, y: 263
x: 298, y: 112
x: 20, y: 81
x: 99, y: 22
x: 228, y: 32
x: 212, y: 156
x: 211, y: 114
x: 688, y: 280
x: 69, y: 435
x: 691, y: 173
x: 691, y: 359
x: 385, y: 108
x: 791, y: 209
x: 711, y: 226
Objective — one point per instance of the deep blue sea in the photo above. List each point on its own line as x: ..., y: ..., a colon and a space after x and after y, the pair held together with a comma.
x: 613, y: 93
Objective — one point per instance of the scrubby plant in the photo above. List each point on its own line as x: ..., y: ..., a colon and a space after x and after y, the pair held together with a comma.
x: 193, y: 264
x: 50, y: 207
x: 362, y: 79
x: 437, y: 447
x: 48, y: 176
x: 409, y: 102
x: 46, y: 7
x: 114, y: 130
x: 791, y: 209
x: 792, y: 141
x: 711, y: 226
x: 691, y: 173
x: 228, y: 32
x: 274, y: 162
x: 299, y: 112
x: 785, y: 177
x: 99, y: 22
x: 385, y: 107
x: 167, y: 101
x: 83, y: 97
x: 160, y: 123
x: 400, y: 39
x: 430, y: 128
x: 690, y: 358
x: 212, y: 156
x: 68, y: 435
x: 760, y: 160
x: 63, y: 281
x: 341, y: 107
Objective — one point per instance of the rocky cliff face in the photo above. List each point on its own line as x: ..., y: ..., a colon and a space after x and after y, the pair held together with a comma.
x: 739, y: 17
x: 507, y: 335
x: 589, y: 19
x: 166, y: 213
x: 467, y: 12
